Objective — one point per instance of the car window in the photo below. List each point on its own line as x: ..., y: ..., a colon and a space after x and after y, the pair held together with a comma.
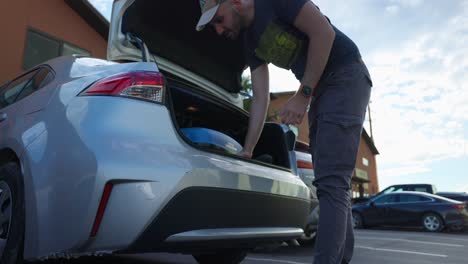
x: 389, y: 190
x: 393, y: 189
x: 41, y: 79
x: 420, y: 189
x: 10, y: 92
x: 386, y: 199
x: 411, y: 198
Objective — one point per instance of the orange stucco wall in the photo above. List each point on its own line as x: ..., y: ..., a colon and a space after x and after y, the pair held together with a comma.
x: 52, y: 17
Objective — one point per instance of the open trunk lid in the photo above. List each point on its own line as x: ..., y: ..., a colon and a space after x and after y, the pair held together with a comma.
x: 168, y: 29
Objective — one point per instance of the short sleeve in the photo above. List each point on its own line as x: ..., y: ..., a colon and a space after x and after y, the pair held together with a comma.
x: 254, y: 62
x: 288, y: 10
x: 251, y: 59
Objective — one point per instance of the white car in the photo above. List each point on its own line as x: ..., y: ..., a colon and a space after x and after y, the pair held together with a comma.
x: 93, y: 157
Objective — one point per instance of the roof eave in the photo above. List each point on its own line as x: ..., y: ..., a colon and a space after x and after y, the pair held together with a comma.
x: 91, y: 15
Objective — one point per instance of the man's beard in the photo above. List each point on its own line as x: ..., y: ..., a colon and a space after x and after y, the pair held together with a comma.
x: 237, y: 22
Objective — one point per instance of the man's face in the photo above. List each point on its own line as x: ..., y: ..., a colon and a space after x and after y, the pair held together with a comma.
x: 227, y: 21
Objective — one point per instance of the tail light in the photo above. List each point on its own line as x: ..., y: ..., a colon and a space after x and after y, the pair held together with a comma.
x: 304, y: 164
x: 458, y: 206
x: 140, y: 85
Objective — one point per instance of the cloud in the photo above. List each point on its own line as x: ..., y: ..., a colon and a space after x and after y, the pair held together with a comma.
x: 463, y: 189
x: 420, y: 99
x: 392, y: 10
x: 417, y: 56
x: 409, y: 3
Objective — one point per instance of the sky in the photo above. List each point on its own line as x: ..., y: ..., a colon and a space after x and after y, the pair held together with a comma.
x: 417, y: 55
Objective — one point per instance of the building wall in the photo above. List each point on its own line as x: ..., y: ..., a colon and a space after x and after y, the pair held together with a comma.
x: 52, y: 17
x: 363, y: 152
x: 371, y: 169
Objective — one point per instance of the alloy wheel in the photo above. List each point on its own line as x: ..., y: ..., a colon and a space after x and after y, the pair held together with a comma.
x: 6, y: 203
x: 432, y: 223
x: 356, y: 221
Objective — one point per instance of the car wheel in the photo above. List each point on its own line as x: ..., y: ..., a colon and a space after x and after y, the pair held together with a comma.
x: 357, y: 221
x: 308, y: 238
x: 11, y: 214
x: 432, y: 222
x: 225, y: 257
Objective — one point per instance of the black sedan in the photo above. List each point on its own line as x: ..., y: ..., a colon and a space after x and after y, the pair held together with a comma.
x: 432, y: 212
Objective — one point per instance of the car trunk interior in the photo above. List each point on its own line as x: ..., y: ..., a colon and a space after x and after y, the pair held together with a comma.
x: 193, y: 108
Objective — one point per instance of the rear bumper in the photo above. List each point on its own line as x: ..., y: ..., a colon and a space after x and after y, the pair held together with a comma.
x: 207, y: 219
x: 138, y: 150
x: 313, y: 217
x: 457, y: 221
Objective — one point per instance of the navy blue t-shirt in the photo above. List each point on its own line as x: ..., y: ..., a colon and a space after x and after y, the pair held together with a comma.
x: 273, y: 38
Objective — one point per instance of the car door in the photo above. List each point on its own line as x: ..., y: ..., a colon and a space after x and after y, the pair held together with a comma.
x: 377, y: 211
x: 407, y: 211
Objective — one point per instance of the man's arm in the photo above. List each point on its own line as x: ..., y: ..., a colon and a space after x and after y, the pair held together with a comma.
x: 321, y: 36
x: 258, y: 109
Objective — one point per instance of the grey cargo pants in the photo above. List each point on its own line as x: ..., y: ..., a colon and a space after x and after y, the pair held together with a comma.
x: 336, y: 118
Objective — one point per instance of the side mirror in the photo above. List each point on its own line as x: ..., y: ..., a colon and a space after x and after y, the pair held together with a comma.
x: 372, y: 204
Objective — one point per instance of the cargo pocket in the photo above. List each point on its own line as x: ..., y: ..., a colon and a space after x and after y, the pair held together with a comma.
x: 343, y: 120
x: 337, y: 143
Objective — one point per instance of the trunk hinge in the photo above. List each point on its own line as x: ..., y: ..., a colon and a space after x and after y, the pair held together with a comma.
x: 145, y: 54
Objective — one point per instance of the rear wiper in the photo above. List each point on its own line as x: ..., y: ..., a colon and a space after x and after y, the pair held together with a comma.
x: 145, y: 54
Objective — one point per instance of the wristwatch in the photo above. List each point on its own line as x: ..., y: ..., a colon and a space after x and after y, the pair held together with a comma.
x: 306, y: 91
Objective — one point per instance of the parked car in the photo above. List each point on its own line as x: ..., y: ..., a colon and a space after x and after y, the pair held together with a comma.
x: 427, y: 188
x: 93, y: 158
x: 430, y: 211
x: 459, y: 196
x: 306, y: 173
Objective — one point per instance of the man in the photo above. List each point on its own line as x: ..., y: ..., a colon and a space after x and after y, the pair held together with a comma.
x: 335, y: 83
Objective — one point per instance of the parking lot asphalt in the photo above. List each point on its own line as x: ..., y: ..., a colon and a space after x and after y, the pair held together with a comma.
x: 372, y: 246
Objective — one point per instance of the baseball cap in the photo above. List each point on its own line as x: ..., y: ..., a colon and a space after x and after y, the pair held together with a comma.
x: 209, y: 9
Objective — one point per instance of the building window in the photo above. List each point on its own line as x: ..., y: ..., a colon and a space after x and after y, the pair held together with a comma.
x: 40, y: 48
x: 365, y: 162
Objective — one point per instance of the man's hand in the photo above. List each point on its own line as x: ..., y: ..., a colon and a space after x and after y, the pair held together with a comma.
x: 294, y: 110
x: 245, y: 154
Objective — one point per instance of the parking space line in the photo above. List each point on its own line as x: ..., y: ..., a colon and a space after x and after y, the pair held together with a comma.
x: 275, y: 260
x: 410, y: 241
x: 402, y: 251
x: 415, y: 235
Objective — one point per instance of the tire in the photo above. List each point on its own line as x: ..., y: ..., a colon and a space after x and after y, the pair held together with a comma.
x: 225, y: 257
x: 307, y: 239
x: 432, y: 222
x: 11, y: 214
x: 357, y: 221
